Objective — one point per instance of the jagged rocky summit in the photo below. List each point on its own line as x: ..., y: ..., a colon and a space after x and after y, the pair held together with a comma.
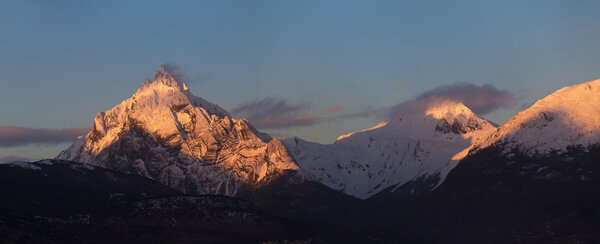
x: 165, y: 133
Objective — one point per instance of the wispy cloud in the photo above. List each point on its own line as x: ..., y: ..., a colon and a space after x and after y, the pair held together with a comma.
x: 280, y: 134
x: 13, y: 136
x: 368, y: 112
x: 274, y: 113
x: 271, y: 113
x: 480, y: 99
x: 331, y: 109
x: 269, y: 106
x: 12, y: 158
x: 175, y: 70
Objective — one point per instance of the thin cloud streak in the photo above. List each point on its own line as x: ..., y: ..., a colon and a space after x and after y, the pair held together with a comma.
x: 331, y: 109
x: 273, y: 113
x: 14, y: 136
x: 277, y: 122
x: 368, y: 112
x: 269, y: 106
x: 12, y: 158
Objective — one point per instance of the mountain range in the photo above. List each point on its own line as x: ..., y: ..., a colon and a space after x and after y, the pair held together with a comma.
x: 165, y: 133
x: 409, y: 179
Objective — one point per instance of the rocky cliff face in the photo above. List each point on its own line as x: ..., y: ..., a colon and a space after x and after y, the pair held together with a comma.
x: 166, y: 133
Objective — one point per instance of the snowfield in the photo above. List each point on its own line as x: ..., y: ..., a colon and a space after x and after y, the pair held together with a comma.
x: 425, y: 141
x: 568, y: 117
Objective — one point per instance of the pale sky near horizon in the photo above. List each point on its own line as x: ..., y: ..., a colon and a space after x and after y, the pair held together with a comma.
x: 61, y: 62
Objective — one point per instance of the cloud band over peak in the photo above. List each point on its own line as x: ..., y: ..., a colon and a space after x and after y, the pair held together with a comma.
x: 13, y: 136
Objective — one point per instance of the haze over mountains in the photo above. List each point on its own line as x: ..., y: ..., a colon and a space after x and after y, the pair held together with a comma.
x: 411, y: 177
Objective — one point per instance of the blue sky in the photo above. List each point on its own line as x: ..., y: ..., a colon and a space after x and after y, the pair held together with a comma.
x: 61, y: 62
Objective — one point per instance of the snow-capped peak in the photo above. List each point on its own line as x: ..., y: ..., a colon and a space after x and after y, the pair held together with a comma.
x: 448, y: 110
x: 567, y: 117
x: 435, y: 117
x: 166, y: 133
x: 164, y: 80
x: 168, y: 89
x: 456, y: 117
x: 423, y: 142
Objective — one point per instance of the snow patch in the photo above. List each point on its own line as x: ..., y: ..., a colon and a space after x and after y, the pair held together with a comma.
x: 82, y: 166
x: 46, y: 162
x: 24, y: 165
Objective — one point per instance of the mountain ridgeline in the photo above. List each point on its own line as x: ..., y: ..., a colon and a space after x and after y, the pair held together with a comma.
x: 435, y: 170
x: 407, y: 156
x: 535, y: 179
x: 165, y: 133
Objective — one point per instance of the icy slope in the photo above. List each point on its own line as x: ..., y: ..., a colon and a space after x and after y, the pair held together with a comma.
x: 165, y: 133
x: 422, y: 144
x: 569, y: 117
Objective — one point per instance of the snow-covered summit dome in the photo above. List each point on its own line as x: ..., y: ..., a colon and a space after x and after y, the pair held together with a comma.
x: 422, y: 143
x: 567, y: 117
